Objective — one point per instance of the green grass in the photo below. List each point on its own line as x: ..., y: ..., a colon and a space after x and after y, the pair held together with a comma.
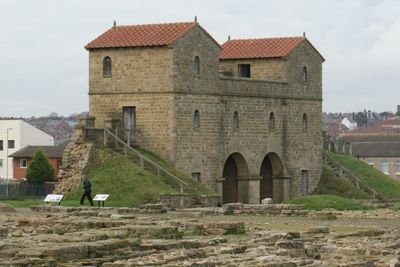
x: 320, y: 202
x: 127, y: 184
x: 387, y: 187
x: 193, y: 188
x: 331, y: 184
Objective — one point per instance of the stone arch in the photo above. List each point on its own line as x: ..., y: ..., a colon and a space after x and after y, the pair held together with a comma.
x: 272, y: 183
x: 235, y: 174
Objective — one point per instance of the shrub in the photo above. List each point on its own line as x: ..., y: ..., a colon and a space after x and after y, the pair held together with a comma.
x: 39, y: 170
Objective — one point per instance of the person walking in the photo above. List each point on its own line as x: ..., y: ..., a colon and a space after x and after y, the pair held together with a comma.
x: 87, y: 190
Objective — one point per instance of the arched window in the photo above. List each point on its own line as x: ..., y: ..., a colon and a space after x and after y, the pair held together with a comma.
x: 196, y: 119
x: 107, y: 67
x: 271, y: 121
x: 304, y: 125
x: 305, y: 75
x: 196, y: 65
x: 235, y: 120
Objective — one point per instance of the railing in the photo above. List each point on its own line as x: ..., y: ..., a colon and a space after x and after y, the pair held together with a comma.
x: 145, y: 162
x: 347, y: 173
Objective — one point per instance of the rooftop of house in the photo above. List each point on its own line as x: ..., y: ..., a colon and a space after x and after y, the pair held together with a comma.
x: 141, y: 35
x: 259, y: 48
x: 369, y: 138
x: 376, y: 149
x: 50, y: 151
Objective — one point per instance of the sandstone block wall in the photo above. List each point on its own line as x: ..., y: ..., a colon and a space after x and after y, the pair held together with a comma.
x: 262, y: 69
x: 163, y: 86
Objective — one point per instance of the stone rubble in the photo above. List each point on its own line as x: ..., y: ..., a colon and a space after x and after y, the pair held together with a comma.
x: 151, y: 235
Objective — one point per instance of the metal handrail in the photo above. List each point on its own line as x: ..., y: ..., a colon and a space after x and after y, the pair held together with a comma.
x: 349, y: 173
x: 141, y: 156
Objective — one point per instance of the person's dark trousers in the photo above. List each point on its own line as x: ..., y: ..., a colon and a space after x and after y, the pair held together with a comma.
x: 89, y: 196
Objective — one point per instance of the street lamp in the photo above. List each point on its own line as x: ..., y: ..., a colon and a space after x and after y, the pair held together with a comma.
x: 8, y: 129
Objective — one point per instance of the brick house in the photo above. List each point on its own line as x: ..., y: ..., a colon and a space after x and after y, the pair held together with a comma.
x: 23, y: 157
x: 244, y: 117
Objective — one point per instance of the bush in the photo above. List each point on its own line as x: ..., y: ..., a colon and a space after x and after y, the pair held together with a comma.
x: 39, y: 170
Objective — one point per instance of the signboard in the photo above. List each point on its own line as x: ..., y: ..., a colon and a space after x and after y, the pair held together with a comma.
x: 101, y: 197
x: 53, y: 198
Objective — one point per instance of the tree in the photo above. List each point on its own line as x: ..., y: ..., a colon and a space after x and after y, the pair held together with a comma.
x: 39, y: 170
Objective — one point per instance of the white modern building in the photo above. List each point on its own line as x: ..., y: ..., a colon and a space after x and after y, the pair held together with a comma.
x: 14, y: 135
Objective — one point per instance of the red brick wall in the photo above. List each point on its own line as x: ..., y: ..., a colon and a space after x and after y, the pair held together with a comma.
x: 21, y: 172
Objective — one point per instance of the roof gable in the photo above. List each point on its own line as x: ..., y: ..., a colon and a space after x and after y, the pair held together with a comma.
x: 50, y: 151
x: 141, y: 35
x: 259, y: 48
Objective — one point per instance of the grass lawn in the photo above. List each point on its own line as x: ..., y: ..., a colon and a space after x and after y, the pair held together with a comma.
x: 320, y: 202
x: 387, y: 187
x: 127, y: 184
x: 331, y: 184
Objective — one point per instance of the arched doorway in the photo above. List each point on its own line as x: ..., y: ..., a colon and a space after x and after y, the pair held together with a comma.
x: 271, y: 169
x: 235, y: 173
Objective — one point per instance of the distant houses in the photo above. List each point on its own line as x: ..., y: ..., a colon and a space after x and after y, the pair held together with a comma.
x: 23, y: 157
x: 377, y: 144
x: 14, y: 135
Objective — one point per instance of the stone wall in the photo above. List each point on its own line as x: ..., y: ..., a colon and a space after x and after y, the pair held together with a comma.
x: 261, y: 69
x: 75, y: 161
x: 163, y: 86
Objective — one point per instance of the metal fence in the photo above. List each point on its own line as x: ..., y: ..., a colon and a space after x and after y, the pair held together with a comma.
x: 22, y: 189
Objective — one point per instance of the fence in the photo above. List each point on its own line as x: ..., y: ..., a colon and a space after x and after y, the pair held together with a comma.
x: 20, y: 190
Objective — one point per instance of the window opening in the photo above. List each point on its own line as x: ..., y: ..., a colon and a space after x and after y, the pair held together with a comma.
x: 244, y: 70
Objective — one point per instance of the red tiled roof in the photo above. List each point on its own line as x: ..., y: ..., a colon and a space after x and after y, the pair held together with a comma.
x: 259, y: 48
x: 141, y: 35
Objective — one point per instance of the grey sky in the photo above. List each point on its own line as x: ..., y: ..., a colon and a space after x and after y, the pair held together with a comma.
x: 44, y: 66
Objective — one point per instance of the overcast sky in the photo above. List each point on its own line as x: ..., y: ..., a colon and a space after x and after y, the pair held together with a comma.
x: 44, y: 67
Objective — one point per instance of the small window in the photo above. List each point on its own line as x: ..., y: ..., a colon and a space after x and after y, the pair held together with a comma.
x: 305, y: 75
x: 304, y: 124
x: 107, y: 67
x: 196, y: 65
x: 196, y: 119
x: 11, y: 144
x: 385, y: 167
x: 1, y: 163
x: 1, y: 145
x: 244, y: 70
x: 23, y: 163
x: 59, y: 163
x: 398, y: 167
x: 196, y: 176
x: 235, y: 122
x: 304, y: 182
x: 271, y: 121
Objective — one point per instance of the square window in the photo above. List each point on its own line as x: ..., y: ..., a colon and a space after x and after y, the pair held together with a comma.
x: 385, y: 167
x: 196, y: 176
x: 244, y: 70
x: 23, y: 163
x: 11, y: 144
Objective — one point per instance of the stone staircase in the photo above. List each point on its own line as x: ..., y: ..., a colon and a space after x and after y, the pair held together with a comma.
x: 342, y: 171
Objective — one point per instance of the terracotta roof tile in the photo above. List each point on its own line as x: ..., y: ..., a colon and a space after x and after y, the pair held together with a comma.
x: 141, y: 35
x: 259, y: 48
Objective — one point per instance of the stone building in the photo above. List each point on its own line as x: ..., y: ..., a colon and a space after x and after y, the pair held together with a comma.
x: 244, y: 117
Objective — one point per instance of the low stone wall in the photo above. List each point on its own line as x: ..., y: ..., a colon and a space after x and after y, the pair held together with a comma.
x: 187, y: 201
x: 261, y: 209
x: 177, y: 201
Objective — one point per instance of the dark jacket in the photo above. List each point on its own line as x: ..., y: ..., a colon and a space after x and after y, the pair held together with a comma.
x: 87, y: 186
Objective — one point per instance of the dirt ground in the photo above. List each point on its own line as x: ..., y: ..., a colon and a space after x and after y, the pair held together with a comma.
x: 133, y: 237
